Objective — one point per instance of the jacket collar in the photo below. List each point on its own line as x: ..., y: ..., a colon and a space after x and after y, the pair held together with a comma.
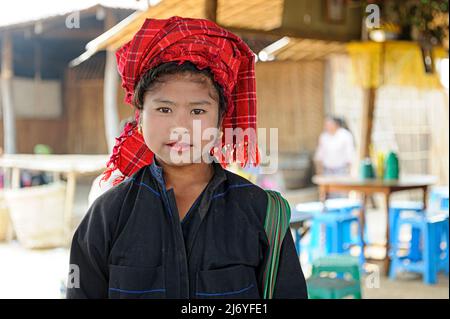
x: 219, y: 174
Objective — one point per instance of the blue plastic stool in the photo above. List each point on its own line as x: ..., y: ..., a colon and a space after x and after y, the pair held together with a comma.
x: 444, y: 203
x: 405, y: 207
x: 337, y: 226
x: 307, y: 211
x: 397, y: 207
x: 341, y: 205
x: 347, y: 206
x: 443, y: 264
x: 440, y: 194
x: 337, y: 220
x: 438, y: 200
x: 314, y: 208
x: 433, y: 230
x: 299, y: 217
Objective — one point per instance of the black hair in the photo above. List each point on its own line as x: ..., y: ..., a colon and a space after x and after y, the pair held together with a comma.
x: 341, y: 122
x: 153, y: 76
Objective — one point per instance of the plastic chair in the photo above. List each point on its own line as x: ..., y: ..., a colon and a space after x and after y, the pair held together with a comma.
x: 437, y: 202
x: 337, y: 220
x: 433, y: 245
x: 346, y: 280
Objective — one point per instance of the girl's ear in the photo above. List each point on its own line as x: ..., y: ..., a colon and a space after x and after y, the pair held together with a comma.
x: 139, y: 124
x: 221, y: 117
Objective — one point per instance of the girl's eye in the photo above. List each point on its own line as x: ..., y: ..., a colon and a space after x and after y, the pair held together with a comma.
x: 197, y: 111
x: 164, y: 110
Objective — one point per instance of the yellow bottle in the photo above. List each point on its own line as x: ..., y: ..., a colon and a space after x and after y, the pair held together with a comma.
x: 380, y: 164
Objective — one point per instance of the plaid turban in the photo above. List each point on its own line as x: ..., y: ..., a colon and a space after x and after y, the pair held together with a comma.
x: 206, y: 45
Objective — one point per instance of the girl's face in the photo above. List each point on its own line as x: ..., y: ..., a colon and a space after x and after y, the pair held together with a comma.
x: 169, y: 111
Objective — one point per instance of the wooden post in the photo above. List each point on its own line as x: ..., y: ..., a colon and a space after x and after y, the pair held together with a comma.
x: 387, y: 258
x: 211, y: 10
x: 15, y: 178
x: 69, y: 204
x: 9, y: 121
x: 37, y: 99
x: 362, y: 222
x: 367, y: 122
x: 111, y: 77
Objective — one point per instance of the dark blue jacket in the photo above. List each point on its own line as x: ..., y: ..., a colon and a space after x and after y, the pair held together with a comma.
x: 131, y: 243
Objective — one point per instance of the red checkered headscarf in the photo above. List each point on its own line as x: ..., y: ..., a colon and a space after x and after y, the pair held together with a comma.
x: 206, y: 45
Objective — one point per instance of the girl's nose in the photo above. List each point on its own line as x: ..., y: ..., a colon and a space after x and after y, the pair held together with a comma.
x: 182, y: 120
x: 180, y: 130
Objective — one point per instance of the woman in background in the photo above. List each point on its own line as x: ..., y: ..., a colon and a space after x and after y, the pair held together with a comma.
x: 336, y: 149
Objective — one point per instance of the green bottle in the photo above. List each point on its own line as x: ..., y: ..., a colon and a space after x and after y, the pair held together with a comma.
x: 392, y: 169
x: 366, y: 169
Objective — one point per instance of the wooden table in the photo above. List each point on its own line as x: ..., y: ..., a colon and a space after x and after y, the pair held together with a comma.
x: 71, y: 166
x: 366, y: 187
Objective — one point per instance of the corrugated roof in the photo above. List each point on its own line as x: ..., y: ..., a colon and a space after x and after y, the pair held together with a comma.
x: 32, y: 18
x: 252, y: 15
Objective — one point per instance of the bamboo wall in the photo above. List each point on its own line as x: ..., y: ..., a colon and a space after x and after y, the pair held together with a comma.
x: 31, y: 132
x: 290, y: 98
x: 84, y: 105
x: 80, y: 129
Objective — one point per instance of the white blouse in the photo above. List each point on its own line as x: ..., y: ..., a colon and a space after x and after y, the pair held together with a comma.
x: 335, y: 150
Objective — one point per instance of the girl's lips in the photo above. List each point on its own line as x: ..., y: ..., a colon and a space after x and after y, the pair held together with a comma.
x: 179, y: 146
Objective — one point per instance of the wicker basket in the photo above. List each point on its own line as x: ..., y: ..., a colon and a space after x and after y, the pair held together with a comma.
x: 37, y: 214
x: 4, y: 218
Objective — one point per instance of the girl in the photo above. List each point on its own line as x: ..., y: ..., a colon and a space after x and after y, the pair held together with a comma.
x: 182, y: 226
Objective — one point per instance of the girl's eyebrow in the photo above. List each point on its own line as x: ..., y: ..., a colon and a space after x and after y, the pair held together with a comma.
x: 163, y: 101
x: 202, y: 102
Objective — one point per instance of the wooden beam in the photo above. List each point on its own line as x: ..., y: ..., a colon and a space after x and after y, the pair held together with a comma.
x: 9, y: 120
x: 314, y: 35
x: 37, y: 63
x: 229, y: 10
x: 263, y: 17
x: 281, y: 32
x: 111, y: 115
x: 211, y: 10
x: 367, y: 122
x: 37, y: 98
x: 79, y: 34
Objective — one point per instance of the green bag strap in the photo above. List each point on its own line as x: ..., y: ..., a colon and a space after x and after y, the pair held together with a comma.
x: 276, y: 225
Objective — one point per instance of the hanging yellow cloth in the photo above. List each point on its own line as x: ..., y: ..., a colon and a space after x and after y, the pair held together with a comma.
x: 392, y: 63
